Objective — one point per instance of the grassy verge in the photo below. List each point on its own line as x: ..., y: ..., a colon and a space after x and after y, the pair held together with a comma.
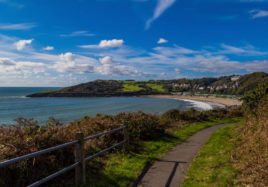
x: 122, y: 169
x: 212, y: 166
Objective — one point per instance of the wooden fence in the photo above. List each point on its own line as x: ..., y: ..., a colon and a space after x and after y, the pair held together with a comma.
x: 80, y: 157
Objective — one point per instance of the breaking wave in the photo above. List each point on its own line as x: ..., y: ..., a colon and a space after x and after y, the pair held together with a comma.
x: 199, y: 104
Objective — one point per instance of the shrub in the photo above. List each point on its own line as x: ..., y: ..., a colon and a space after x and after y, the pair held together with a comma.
x: 252, y: 99
x: 27, y: 136
x: 171, y: 116
x: 142, y: 126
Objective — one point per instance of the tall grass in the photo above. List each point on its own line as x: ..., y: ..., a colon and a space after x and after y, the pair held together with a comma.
x: 250, y: 157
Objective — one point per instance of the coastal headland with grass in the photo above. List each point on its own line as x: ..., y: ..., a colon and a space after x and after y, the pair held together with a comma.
x: 114, y: 96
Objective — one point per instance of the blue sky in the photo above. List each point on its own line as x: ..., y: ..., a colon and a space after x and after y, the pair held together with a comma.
x: 61, y: 43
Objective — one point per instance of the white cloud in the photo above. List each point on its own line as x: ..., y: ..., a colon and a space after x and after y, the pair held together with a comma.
x: 76, y: 64
x: 111, y: 43
x: 111, y: 69
x: 68, y: 57
x: 245, y: 50
x: 32, y: 67
x: 78, y: 34
x: 161, y: 7
x: 72, y: 67
x: 258, y: 13
x: 21, y: 44
x: 48, y: 48
x: 6, y: 62
x: 8, y: 66
x: 106, y: 60
x: 17, y: 26
x: 257, y: 65
x: 162, y: 41
x: 105, y: 44
x: 174, y: 51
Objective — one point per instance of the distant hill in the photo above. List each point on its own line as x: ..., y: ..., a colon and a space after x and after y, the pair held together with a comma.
x: 229, y: 85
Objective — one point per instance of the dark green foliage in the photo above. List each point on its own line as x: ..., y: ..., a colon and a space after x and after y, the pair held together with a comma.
x: 253, y: 98
x: 250, y: 81
x: 192, y: 115
x: 96, y: 87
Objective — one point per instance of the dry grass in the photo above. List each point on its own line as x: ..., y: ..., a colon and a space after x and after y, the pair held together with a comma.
x: 251, y: 155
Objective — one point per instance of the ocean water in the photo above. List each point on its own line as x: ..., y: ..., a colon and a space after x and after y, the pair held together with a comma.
x: 14, y: 104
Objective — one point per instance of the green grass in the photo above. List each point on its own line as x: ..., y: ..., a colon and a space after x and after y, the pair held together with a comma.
x: 129, y: 86
x: 122, y: 169
x: 157, y: 87
x: 212, y: 166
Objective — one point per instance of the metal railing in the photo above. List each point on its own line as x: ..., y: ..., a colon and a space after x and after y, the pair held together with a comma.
x: 79, y: 164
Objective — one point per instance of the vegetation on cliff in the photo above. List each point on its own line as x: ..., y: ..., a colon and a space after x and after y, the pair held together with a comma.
x: 250, y: 157
x: 27, y: 136
x: 231, y: 85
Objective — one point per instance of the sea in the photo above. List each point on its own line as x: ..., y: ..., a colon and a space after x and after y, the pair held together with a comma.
x: 15, y: 104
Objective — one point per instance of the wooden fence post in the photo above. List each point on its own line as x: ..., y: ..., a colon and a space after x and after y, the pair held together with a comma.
x: 80, y: 170
x: 126, y: 138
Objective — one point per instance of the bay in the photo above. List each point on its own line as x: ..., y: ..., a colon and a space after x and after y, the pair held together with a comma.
x: 14, y: 104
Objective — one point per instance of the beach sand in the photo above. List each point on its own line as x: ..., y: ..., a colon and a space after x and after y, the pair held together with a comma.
x: 212, y: 99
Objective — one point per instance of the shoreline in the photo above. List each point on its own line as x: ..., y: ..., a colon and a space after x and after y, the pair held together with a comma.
x: 206, y: 99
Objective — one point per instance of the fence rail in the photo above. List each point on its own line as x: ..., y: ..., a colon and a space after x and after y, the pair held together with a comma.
x: 80, y: 158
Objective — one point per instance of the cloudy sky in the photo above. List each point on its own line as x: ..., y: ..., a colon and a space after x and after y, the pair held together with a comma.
x: 61, y: 43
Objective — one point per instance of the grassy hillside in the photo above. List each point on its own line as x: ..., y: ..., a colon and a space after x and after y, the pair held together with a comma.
x: 229, y: 85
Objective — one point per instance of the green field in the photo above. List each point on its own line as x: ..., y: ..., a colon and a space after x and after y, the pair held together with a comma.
x: 121, y: 169
x: 129, y: 86
x: 212, y: 166
x: 157, y: 87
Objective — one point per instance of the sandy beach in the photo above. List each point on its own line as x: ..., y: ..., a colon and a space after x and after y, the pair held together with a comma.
x: 211, y: 99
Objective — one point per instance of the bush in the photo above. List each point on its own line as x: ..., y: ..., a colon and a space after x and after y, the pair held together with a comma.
x: 142, y: 126
x: 171, y: 116
x: 27, y: 136
x: 252, y: 99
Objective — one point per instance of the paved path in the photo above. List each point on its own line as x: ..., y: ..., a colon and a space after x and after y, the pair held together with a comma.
x: 169, y: 171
